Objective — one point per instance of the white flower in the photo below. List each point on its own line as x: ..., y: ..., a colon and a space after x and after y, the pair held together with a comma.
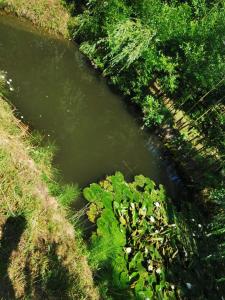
x: 156, y: 231
x: 192, y: 220
x: 158, y: 270
x: 193, y: 234
x: 21, y: 117
x: 157, y: 204
x: 128, y: 250
x: 132, y: 205
x: 188, y: 285
x: 150, y: 268
x: 10, y: 80
x: 11, y: 89
x: 199, y: 225
x: 152, y: 219
x: 173, y: 287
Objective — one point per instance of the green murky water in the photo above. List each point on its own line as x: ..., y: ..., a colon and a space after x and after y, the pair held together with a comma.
x: 57, y: 93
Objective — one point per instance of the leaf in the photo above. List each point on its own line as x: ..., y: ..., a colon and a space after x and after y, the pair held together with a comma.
x: 120, y: 274
x: 139, y: 180
x: 143, y: 295
x: 93, y: 212
x: 122, y: 220
x: 107, y: 198
x: 136, y: 261
x: 93, y: 193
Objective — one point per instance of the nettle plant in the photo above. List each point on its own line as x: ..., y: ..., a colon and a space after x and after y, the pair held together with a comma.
x: 137, y: 238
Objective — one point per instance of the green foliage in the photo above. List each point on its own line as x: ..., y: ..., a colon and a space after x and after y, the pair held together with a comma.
x: 167, y: 38
x: 218, y: 196
x: 218, y: 225
x: 216, y: 230
x: 66, y: 194
x: 2, y: 3
x: 153, y: 111
x: 138, y: 237
x: 179, y: 44
x: 128, y: 41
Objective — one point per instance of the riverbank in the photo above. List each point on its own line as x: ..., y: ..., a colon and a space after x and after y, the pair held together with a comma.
x: 41, y: 254
x: 50, y: 15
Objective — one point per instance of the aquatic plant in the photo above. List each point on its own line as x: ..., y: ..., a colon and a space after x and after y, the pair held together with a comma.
x: 138, y: 237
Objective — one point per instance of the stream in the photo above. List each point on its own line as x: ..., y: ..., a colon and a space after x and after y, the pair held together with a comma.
x: 59, y: 94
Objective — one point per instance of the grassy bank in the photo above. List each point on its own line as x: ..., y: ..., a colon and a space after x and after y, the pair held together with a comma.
x: 41, y: 256
x: 50, y: 14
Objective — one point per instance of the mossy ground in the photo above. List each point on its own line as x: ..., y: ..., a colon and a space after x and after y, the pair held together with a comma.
x: 41, y: 254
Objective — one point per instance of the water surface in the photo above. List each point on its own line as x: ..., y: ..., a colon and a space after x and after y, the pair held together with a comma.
x: 57, y: 93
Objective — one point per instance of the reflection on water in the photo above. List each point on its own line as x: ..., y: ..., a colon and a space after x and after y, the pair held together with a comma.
x: 58, y: 94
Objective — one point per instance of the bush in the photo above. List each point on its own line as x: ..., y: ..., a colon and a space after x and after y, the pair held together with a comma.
x: 153, y: 111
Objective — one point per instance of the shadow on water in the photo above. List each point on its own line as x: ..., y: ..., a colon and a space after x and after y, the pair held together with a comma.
x: 11, y: 234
